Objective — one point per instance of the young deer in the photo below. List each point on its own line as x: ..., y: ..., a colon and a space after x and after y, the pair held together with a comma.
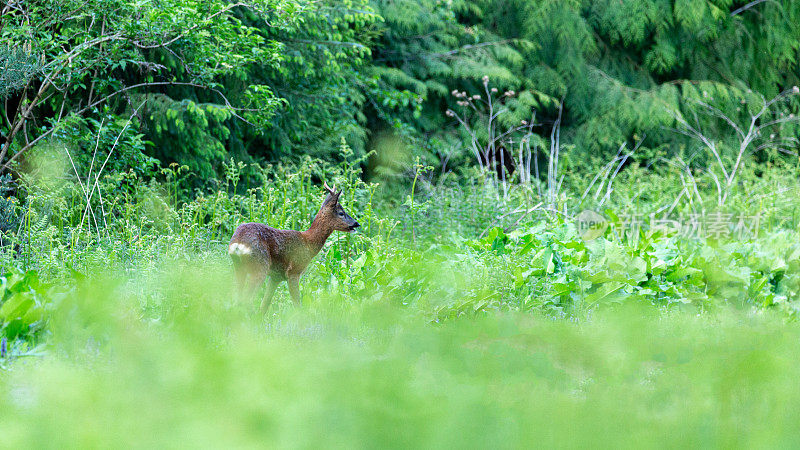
x: 259, y: 251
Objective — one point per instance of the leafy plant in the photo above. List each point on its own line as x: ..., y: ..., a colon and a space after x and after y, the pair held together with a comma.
x: 24, y: 303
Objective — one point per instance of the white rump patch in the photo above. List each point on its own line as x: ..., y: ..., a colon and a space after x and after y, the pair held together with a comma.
x: 239, y: 249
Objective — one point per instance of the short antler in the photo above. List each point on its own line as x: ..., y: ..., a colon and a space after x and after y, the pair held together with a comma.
x: 331, y: 190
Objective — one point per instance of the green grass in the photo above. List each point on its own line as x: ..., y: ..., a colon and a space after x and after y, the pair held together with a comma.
x: 210, y: 373
x: 456, y: 333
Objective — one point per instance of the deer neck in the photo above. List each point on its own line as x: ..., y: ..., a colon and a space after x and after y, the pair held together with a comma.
x: 317, y: 234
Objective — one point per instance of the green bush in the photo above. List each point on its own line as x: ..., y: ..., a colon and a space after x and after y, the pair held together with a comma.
x: 25, y: 303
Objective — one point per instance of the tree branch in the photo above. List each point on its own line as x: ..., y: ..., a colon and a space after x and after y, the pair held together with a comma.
x: 186, y: 31
x: 470, y: 47
x: 27, y: 146
x: 746, y: 7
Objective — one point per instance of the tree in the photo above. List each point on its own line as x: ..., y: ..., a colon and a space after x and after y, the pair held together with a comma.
x: 323, y: 80
x: 72, y: 57
x: 622, y: 65
x: 619, y: 66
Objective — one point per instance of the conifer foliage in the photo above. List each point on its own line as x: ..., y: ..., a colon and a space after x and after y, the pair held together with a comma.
x: 263, y: 80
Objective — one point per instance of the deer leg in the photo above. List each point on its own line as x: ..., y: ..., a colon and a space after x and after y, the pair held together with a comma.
x: 265, y: 302
x: 294, y: 290
x: 241, y: 281
x: 256, y: 280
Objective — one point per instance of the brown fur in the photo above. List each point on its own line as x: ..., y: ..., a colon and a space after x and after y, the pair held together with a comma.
x: 260, y: 252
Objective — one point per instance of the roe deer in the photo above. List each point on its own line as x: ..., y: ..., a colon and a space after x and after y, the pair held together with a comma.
x: 261, y: 252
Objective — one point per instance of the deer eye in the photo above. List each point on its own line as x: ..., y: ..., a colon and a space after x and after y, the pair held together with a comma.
x: 341, y: 213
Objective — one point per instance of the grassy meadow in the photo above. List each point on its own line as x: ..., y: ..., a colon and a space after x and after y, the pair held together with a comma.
x: 472, y: 327
x: 579, y: 223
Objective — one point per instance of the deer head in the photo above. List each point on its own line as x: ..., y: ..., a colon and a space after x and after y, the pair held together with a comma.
x: 333, y: 213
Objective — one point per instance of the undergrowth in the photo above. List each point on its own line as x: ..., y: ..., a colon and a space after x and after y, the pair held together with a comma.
x: 488, y: 322
x: 446, y: 251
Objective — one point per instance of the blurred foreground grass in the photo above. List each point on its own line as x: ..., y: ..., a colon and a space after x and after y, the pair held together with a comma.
x: 200, y: 371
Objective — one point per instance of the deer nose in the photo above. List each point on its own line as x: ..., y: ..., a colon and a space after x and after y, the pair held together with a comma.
x: 356, y: 225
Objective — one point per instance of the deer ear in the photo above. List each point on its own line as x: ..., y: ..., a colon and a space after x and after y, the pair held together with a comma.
x: 331, y: 198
